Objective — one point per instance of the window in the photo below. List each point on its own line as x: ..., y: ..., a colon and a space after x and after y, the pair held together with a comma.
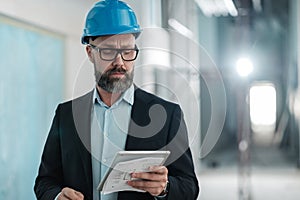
x: 31, y: 85
x: 263, y: 107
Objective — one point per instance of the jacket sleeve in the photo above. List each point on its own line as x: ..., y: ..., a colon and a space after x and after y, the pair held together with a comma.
x: 49, y: 179
x: 183, y: 183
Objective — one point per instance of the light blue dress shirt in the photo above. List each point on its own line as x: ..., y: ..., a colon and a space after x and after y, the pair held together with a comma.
x: 109, y: 128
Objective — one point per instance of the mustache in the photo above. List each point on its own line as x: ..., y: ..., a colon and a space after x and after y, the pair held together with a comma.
x: 117, y: 69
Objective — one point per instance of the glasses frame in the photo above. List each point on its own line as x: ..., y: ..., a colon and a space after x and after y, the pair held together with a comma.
x: 119, y: 51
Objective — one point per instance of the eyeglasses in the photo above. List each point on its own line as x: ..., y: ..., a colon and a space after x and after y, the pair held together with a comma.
x: 109, y: 54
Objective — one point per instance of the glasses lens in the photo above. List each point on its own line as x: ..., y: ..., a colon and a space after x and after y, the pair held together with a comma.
x: 129, y: 54
x: 111, y: 54
x: 108, y: 54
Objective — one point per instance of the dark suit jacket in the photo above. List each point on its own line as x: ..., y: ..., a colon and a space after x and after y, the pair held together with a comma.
x: 66, y: 159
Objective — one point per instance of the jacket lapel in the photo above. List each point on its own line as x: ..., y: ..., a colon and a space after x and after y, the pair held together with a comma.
x: 81, y: 109
x: 138, y: 119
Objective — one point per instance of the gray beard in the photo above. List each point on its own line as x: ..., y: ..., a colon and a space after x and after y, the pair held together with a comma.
x: 114, y: 85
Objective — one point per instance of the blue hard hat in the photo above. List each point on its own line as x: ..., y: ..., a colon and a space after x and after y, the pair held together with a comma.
x: 110, y: 17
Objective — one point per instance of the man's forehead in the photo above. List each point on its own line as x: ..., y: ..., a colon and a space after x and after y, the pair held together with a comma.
x: 125, y: 39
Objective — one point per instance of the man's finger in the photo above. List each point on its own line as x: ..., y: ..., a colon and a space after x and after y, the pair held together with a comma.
x: 72, y: 194
x: 147, y: 184
x: 153, y: 187
x: 158, y: 169
x: 150, y: 176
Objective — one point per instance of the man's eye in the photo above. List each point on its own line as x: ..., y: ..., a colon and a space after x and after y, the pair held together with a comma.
x: 127, y: 52
x: 108, y: 51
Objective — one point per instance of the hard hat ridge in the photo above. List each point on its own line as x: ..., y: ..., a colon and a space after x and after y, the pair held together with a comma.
x: 111, y: 0
x: 110, y: 17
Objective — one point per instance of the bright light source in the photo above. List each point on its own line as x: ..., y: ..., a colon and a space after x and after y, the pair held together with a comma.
x: 231, y: 8
x: 244, y: 66
x: 263, y: 105
x: 217, y: 7
x: 180, y: 28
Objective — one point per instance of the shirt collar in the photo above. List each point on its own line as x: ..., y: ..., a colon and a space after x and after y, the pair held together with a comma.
x: 127, y: 96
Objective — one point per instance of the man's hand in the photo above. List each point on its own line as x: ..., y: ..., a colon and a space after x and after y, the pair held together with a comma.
x: 69, y: 194
x: 153, y: 182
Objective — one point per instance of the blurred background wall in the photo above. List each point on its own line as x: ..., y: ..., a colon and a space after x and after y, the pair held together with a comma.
x: 233, y: 66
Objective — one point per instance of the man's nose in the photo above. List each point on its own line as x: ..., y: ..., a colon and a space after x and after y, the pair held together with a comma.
x: 118, y: 60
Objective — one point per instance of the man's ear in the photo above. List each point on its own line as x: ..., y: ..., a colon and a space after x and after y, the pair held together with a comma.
x: 89, y: 53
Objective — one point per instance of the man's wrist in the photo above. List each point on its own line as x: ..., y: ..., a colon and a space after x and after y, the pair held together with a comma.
x: 164, y: 192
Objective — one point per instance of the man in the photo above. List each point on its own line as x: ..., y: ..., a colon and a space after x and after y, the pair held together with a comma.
x: 116, y: 115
